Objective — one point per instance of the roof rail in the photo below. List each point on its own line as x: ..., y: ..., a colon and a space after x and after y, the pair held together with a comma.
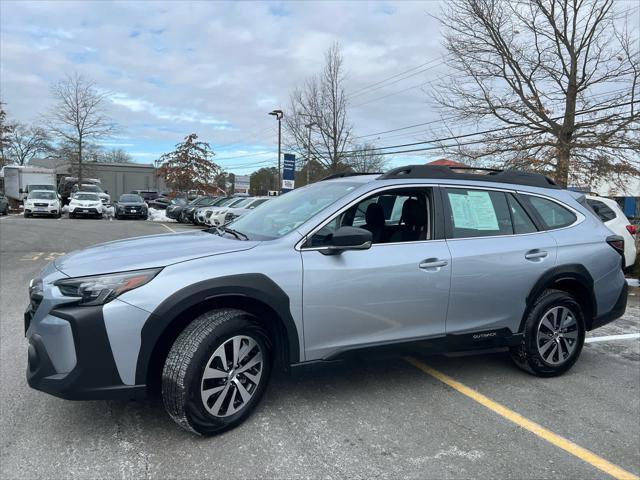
x: 452, y: 173
x: 347, y: 174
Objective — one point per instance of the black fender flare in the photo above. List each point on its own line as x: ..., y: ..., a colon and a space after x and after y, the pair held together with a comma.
x: 254, y: 286
x: 572, y: 271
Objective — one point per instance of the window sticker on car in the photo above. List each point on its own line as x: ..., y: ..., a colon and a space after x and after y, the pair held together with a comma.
x: 473, y: 210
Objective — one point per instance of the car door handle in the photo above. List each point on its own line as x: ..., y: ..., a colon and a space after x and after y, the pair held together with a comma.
x: 433, y: 263
x: 536, y: 254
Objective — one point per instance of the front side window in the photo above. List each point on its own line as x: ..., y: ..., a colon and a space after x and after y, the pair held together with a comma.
x: 478, y: 213
x: 552, y: 214
x: 399, y: 215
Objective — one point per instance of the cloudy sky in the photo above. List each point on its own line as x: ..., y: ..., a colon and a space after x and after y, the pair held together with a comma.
x: 218, y: 68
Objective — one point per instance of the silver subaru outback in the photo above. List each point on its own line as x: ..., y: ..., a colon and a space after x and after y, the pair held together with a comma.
x: 452, y: 259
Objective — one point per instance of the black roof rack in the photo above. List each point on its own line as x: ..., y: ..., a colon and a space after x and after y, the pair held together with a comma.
x: 464, y: 173
x: 347, y: 174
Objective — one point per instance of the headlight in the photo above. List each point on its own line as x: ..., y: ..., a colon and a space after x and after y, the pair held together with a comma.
x: 100, y: 289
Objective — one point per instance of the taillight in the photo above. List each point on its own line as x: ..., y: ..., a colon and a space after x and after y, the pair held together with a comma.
x: 617, y: 243
x: 632, y: 229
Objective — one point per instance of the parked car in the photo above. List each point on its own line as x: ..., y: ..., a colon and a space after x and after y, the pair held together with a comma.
x: 419, y: 257
x: 69, y: 185
x: 85, y: 203
x: 42, y: 202
x: 147, y: 195
x: 131, y: 206
x: 217, y: 216
x: 188, y: 212
x: 4, y: 205
x: 177, y: 204
x: 160, y: 203
x: 614, y: 218
x: 236, y: 212
x: 105, y: 198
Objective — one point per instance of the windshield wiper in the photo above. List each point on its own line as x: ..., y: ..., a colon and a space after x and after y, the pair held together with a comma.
x: 221, y: 230
x: 235, y: 233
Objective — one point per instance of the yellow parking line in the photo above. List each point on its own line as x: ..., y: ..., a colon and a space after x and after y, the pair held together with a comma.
x: 560, y: 442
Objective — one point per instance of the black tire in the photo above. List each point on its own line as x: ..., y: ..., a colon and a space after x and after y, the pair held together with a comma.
x: 527, y: 355
x: 192, y: 352
x: 26, y: 215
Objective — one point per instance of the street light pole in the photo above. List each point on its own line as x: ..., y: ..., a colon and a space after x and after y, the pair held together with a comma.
x: 309, y: 125
x: 279, y: 114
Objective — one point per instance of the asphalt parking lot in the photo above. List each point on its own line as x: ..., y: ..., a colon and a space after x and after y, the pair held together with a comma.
x: 429, y: 417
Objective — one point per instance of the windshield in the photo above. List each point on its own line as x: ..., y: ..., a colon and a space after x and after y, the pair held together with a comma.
x: 282, y: 214
x: 43, y: 195
x: 91, y: 188
x: 257, y: 202
x: 210, y: 201
x: 242, y: 203
x: 128, y: 198
x: 197, y: 201
x: 227, y: 202
x: 178, y: 201
x: 219, y: 201
x: 41, y: 187
x: 86, y: 196
x: 235, y: 202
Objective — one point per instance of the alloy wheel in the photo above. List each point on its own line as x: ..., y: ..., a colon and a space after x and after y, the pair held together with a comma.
x: 231, y: 376
x: 557, y: 335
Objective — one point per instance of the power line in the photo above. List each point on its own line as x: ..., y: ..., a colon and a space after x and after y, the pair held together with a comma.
x: 483, y: 132
x: 357, y: 92
x: 394, y: 82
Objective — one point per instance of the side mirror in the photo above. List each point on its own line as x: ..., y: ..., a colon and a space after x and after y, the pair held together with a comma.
x: 348, y: 238
x: 21, y: 191
x: 107, y: 192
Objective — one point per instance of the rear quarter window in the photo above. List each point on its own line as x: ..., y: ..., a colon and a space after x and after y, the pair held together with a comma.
x: 552, y: 214
x: 602, y: 210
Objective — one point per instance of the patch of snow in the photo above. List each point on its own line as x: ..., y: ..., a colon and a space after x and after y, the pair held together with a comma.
x: 157, y: 215
x: 65, y: 209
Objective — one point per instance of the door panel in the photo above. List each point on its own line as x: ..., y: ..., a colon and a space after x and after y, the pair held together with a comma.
x: 380, y: 295
x: 491, y: 278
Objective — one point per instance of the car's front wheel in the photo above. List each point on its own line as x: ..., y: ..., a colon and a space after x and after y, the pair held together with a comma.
x: 216, y: 371
x: 553, y: 335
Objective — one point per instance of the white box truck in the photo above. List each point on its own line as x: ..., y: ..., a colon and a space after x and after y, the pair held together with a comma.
x: 17, y: 180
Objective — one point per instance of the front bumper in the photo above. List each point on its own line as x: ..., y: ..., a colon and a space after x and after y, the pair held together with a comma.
x: 128, y: 213
x: 42, y: 210
x: 94, y: 374
x: 85, y: 211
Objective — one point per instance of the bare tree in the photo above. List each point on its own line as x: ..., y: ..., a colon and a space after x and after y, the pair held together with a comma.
x: 365, y: 159
x: 25, y: 142
x: 115, y: 155
x: 5, y: 132
x: 559, y: 78
x: 322, y: 106
x: 78, y: 116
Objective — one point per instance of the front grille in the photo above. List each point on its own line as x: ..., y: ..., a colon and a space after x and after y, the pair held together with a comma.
x: 41, y: 204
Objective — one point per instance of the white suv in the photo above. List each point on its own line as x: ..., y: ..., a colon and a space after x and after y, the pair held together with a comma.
x: 42, y: 202
x: 614, y: 218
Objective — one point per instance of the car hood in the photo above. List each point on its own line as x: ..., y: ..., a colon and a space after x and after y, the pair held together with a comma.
x: 147, y: 252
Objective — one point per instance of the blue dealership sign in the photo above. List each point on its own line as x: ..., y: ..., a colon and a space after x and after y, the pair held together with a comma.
x: 289, y: 172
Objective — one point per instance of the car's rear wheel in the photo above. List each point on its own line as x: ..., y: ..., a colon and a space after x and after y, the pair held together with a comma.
x: 553, y: 335
x: 216, y: 371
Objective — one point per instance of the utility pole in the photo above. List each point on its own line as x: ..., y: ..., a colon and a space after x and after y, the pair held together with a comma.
x: 279, y: 114
x: 309, y: 125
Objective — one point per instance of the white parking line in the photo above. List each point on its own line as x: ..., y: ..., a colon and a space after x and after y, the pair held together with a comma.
x: 607, y: 338
x: 168, y: 228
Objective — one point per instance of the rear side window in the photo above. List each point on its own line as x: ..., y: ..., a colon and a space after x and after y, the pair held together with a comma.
x: 521, y: 221
x: 602, y: 210
x: 478, y: 213
x: 551, y: 213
